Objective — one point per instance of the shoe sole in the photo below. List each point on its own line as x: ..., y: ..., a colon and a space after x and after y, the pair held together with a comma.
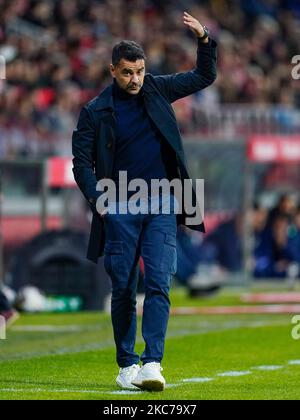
x: 133, y: 388
x: 151, y: 385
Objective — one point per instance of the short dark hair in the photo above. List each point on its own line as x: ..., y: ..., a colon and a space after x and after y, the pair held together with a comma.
x: 129, y: 50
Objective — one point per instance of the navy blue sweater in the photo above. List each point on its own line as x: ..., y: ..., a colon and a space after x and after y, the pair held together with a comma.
x: 138, y: 141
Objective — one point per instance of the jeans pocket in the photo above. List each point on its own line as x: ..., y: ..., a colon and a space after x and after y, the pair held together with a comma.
x: 113, y: 256
x: 168, y: 261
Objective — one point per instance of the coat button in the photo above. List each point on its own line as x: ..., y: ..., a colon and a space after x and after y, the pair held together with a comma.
x: 109, y: 144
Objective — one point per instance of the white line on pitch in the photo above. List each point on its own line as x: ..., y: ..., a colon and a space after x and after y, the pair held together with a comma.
x: 124, y: 392
x: 197, y: 380
x: 55, y: 328
x: 37, y: 390
x: 294, y: 362
x: 234, y: 373
x: 268, y: 367
x: 109, y: 343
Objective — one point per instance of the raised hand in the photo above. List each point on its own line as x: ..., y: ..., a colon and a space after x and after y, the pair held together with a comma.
x: 194, y: 25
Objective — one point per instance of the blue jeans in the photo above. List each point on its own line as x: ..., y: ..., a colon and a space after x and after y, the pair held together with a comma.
x: 153, y: 236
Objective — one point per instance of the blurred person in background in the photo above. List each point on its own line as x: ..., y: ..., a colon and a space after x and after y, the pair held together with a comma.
x: 275, y: 252
x: 227, y: 241
x: 204, y: 262
x: 259, y: 219
x: 286, y: 206
x: 295, y: 236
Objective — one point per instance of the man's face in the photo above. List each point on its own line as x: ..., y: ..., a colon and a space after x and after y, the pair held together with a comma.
x: 129, y: 75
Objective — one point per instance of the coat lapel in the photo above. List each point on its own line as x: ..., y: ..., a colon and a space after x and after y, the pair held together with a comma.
x: 106, y: 137
x: 160, y: 114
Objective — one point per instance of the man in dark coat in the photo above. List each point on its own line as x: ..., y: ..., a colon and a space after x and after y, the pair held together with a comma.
x: 132, y: 127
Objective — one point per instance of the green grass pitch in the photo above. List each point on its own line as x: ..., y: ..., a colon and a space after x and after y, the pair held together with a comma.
x: 72, y: 356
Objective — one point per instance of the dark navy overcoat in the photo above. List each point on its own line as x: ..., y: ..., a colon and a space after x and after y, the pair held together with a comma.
x: 94, y: 139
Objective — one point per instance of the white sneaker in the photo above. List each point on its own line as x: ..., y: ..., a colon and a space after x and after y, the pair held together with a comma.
x: 126, y: 376
x: 149, y: 377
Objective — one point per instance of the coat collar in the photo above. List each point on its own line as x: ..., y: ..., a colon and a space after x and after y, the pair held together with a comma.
x: 105, y: 98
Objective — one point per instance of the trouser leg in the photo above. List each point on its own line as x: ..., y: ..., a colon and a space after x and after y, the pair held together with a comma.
x: 158, y: 249
x: 121, y: 258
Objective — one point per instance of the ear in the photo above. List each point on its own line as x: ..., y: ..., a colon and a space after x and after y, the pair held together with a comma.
x: 112, y: 70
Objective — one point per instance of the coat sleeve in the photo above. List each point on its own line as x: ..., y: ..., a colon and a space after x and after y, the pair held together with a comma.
x: 179, y: 85
x: 83, y: 149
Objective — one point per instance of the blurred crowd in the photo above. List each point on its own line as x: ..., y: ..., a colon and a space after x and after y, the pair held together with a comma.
x: 277, y: 239
x: 58, y: 54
